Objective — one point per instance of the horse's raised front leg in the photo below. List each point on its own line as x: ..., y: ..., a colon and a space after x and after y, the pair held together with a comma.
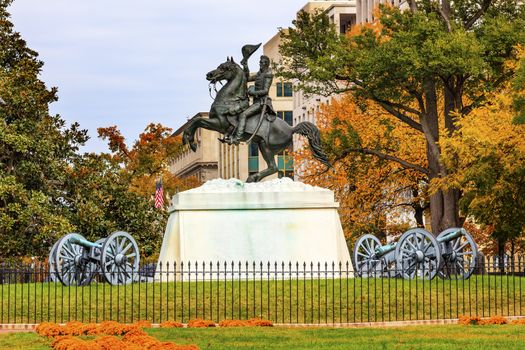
x: 269, y: 158
x: 188, y: 137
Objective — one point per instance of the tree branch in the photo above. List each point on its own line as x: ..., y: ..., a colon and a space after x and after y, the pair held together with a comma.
x: 484, y: 6
x: 444, y: 13
x: 390, y: 108
x: 413, y: 6
x: 384, y: 156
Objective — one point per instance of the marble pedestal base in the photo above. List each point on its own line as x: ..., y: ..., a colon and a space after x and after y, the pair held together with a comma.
x: 274, y: 222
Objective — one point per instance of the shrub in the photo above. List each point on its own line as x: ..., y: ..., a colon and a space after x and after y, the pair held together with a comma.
x: 254, y: 322
x: 469, y: 320
x: 51, y: 330
x: 171, y: 324
x: 259, y: 322
x: 200, y: 323
x: 69, y: 342
x: 495, y: 320
x: 133, y: 336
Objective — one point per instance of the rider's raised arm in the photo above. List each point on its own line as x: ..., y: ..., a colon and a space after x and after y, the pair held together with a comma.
x: 249, y: 77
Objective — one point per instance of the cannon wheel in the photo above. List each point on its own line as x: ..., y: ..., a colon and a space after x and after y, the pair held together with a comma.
x: 365, y: 262
x: 120, y: 258
x: 418, y: 254
x: 72, y: 267
x: 52, y: 263
x: 459, y: 255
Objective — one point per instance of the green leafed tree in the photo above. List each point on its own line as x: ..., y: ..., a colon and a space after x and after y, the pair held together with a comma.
x: 424, y: 65
x: 99, y: 202
x: 35, y: 149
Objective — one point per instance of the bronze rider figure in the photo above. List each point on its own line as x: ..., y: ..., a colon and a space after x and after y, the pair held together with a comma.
x: 259, y: 91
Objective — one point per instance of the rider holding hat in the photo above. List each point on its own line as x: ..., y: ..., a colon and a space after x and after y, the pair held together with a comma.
x: 259, y: 91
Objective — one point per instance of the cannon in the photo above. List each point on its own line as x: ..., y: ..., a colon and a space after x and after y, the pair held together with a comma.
x: 417, y: 253
x: 73, y: 260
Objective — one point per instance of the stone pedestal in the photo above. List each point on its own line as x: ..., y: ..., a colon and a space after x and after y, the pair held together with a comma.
x: 278, y: 221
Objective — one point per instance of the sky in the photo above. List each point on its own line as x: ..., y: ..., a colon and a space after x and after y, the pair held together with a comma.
x: 133, y: 62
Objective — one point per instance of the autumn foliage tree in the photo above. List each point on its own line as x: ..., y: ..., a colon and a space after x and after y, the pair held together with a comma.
x: 118, y: 187
x: 149, y: 159
x: 424, y: 66
x: 375, y: 193
x: 486, y: 158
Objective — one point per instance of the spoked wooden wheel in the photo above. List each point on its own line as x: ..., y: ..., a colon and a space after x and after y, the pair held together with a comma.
x: 120, y: 258
x: 51, y: 261
x: 418, y: 255
x: 71, y: 262
x: 365, y: 261
x: 459, y: 255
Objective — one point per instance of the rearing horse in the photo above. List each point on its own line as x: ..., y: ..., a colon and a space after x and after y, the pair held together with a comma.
x: 271, y: 137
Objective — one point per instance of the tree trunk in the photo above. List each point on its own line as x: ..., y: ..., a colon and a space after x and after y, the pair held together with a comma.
x: 419, y: 210
x: 418, y: 215
x: 443, y: 204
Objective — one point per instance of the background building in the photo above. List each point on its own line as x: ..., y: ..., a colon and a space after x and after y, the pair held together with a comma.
x: 343, y: 16
x: 202, y: 164
x: 365, y: 8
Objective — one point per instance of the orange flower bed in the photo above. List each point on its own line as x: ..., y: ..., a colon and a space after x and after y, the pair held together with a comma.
x: 200, y: 323
x: 233, y: 323
x: 51, y: 330
x: 495, y: 320
x: 130, y: 337
x: 259, y: 322
x: 254, y: 322
x: 476, y: 320
x: 469, y: 320
x: 171, y: 324
x: 519, y: 321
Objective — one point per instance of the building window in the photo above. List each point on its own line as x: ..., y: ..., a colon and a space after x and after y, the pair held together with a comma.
x: 253, y: 158
x: 284, y: 89
x: 254, y: 150
x: 286, y: 115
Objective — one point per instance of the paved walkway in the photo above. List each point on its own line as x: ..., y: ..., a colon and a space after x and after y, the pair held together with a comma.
x: 7, y: 328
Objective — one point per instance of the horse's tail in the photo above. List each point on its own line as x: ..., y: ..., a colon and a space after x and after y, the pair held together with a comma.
x: 312, y: 133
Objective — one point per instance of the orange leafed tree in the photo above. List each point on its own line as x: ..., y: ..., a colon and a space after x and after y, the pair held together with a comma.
x: 149, y: 159
x: 378, y: 177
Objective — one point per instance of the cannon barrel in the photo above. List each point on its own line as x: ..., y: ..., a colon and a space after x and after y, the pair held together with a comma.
x: 450, y: 236
x: 84, y: 242
x: 385, y: 249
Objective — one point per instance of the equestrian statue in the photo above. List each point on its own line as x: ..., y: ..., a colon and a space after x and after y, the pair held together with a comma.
x: 232, y: 115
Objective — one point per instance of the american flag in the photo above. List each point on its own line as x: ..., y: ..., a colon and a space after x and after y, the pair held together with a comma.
x: 159, y: 195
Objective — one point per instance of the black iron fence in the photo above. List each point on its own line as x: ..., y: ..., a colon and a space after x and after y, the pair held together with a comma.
x: 310, y: 293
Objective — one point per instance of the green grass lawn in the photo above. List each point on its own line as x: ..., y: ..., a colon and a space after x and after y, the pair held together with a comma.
x: 282, y: 301
x: 420, y: 337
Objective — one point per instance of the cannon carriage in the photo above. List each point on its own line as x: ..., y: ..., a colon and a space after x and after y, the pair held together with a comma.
x: 417, y: 253
x: 73, y: 260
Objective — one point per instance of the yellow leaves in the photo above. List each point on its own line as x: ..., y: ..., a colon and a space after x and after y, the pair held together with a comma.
x: 486, y: 131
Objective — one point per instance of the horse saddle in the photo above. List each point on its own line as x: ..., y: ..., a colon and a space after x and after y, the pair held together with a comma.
x: 251, y: 125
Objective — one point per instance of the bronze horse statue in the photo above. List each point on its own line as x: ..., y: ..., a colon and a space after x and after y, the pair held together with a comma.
x: 271, y: 136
